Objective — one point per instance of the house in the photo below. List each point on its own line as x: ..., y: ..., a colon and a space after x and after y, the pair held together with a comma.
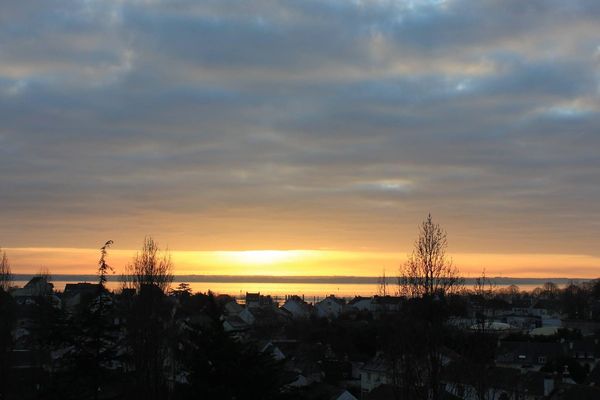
x: 385, y: 392
x: 491, y: 326
x: 523, y: 321
x: 252, y: 300
x: 37, y: 286
x: 336, y: 370
x: 247, y: 316
x: 575, y: 392
x: 386, y: 304
x: 499, y: 383
x: 323, y: 391
x: 232, y: 307
x: 255, y: 300
x: 361, y: 303
x: 268, y: 320
x: 527, y: 355
x: 329, y: 307
x: 234, y: 324
x: 585, y: 351
x: 268, y: 347
x: 521, y: 307
x: 374, y: 373
x: 297, y: 307
x: 76, y: 293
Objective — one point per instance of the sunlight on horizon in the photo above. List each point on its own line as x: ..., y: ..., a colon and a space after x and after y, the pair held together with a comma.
x: 304, y: 262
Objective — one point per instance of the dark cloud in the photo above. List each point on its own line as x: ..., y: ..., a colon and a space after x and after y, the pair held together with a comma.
x: 307, y: 124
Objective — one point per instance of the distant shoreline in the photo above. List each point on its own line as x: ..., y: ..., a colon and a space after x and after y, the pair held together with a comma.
x: 301, y: 279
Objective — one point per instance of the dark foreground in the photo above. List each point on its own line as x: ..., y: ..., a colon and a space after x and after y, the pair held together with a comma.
x: 88, y: 343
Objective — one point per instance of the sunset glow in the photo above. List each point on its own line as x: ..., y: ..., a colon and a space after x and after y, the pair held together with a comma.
x: 307, y: 262
x: 305, y: 139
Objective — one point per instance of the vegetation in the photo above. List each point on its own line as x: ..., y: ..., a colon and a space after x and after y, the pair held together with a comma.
x: 150, y: 267
x: 5, y: 274
x: 428, y: 271
x: 154, y: 343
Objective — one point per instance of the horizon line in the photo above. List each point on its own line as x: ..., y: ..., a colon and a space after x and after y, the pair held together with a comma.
x: 182, y: 278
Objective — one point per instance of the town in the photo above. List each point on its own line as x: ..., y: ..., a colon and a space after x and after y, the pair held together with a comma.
x: 475, y: 343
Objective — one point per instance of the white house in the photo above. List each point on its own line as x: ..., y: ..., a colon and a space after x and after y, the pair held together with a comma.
x: 374, y: 373
x: 329, y: 307
x: 297, y: 307
x: 247, y: 316
x: 361, y: 303
x: 233, y: 308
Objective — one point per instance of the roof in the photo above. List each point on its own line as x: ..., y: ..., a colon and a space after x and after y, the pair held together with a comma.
x: 527, y: 352
x: 377, y: 364
x: 593, y: 379
x: 492, y: 326
x: 323, y: 391
x: 385, y: 392
x: 332, y: 297
x: 586, y: 345
x: 498, y: 377
x: 544, y: 331
x: 236, y: 323
x: 358, y: 299
x: 576, y: 392
x: 72, y: 289
x: 533, y: 382
x: 387, y: 300
x: 252, y: 297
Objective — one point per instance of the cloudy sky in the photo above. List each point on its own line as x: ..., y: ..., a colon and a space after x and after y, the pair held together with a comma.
x: 329, y: 126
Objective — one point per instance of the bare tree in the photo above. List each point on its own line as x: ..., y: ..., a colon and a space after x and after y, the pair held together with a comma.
x: 550, y: 290
x: 483, y: 289
x: 5, y: 274
x: 150, y: 267
x: 103, y: 267
x: 382, y: 285
x: 428, y: 271
x: 44, y: 273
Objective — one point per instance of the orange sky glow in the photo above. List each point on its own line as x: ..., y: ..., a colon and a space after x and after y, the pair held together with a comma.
x: 286, y: 139
x: 305, y: 262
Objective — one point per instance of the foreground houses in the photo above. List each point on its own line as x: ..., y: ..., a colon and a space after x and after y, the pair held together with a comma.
x: 217, y: 347
x: 297, y: 307
x: 329, y: 307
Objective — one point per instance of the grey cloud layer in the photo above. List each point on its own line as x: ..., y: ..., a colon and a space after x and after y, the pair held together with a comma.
x: 331, y: 124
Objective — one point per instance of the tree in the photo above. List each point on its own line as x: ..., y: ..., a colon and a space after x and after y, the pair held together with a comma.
x: 550, y: 290
x: 149, y: 321
x: 428, y: 271
x: 150, y: 267
x: 183, y: 290
x: 483, y: 291
x: 427, y: 277
x: 91, y: 342
x: 103, y: 267
x: 382, y: 289
x: 149, y: 325
x: 5, y: 274
x: 7, y: 323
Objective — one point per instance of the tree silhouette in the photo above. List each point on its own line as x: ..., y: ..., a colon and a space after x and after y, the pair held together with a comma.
x: 5, y: 274
x: 428, y: 271
x: 150, y: 267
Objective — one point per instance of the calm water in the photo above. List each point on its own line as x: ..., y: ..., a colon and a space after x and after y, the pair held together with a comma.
x: 280, y: 289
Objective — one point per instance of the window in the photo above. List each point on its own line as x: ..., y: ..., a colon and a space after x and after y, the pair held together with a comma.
x: 542, y: 360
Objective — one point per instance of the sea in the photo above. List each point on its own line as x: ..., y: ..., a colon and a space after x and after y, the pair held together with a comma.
x: 310, y: 287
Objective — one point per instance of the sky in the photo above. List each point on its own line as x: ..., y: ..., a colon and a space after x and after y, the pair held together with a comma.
x: 321, y: 132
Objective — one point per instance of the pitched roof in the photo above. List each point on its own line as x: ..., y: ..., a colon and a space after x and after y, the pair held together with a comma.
x: 527, y: 352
